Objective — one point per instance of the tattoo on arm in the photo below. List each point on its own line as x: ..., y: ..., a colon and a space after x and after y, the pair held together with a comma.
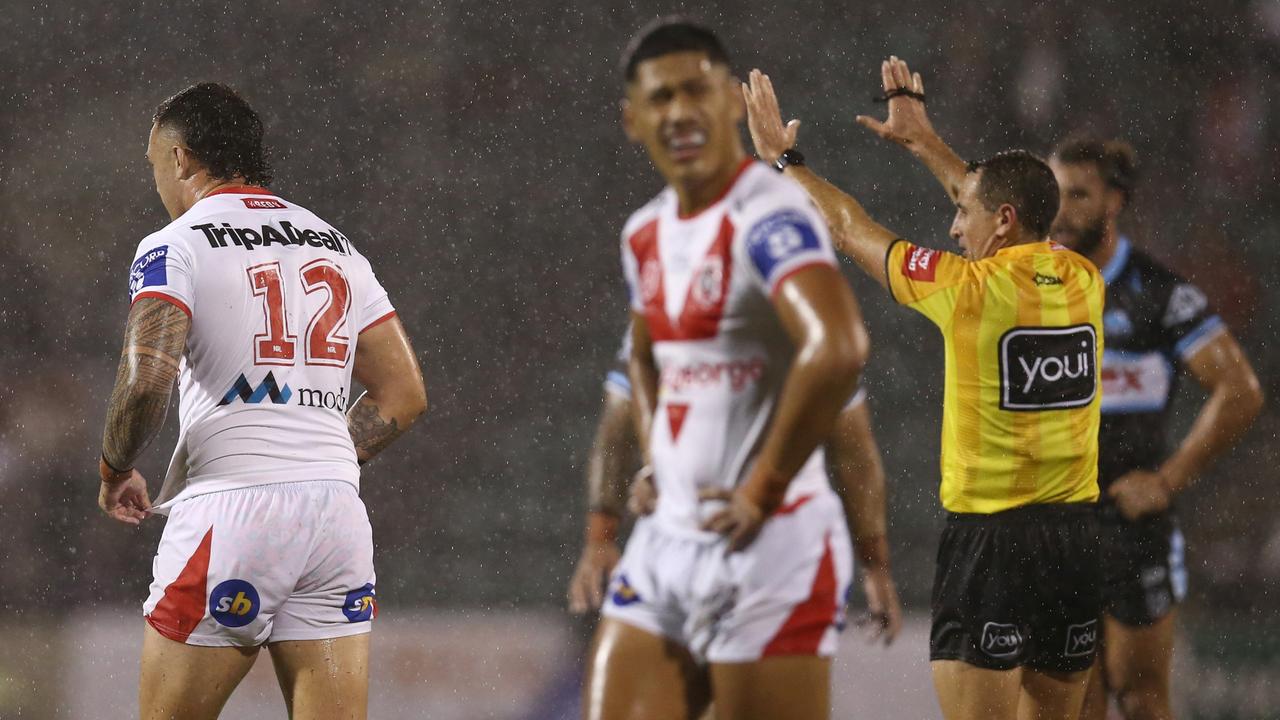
x: 154, y: 340
x: 370, y: 433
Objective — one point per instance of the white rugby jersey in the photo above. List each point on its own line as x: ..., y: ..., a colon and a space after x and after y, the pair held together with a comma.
x: 704, y: 285
x: 277, y: 298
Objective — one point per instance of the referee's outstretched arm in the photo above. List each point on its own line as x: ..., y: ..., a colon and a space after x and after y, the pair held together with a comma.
x: 853, y: 231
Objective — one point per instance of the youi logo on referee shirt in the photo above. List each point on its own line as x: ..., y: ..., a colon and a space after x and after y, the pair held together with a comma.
x: 1048, y: 368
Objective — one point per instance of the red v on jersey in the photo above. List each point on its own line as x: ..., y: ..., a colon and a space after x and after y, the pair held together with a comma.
x: 676, y: 413
x: 705, y: 299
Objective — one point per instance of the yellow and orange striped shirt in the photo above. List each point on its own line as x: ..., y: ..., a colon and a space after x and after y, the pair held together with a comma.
x: 1023, y: 343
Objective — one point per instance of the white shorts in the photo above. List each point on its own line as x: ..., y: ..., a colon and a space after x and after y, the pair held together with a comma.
x: 288, y: 561
x: 783, y: 595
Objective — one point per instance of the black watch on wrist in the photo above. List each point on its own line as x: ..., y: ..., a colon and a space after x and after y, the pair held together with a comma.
x: 789, y: 157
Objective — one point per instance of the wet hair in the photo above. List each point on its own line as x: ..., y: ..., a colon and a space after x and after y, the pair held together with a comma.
x: 1115, y: 160
x: 668, y: 35
x: 220, y: 128
x: 1020, y: 179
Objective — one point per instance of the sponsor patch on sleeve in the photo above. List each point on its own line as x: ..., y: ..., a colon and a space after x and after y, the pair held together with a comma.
x: 921, y: 263
x: 150, y: 270
x: 779, y: 239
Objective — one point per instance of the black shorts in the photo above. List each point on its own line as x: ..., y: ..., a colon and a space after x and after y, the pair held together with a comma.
x: 1018, y: 588
x: 1143, y: 566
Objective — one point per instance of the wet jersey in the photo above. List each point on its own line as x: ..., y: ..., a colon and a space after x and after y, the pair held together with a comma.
x: 277, y: 298
x: 1153, y: 322
x: 704, y: 285
x: 1023, y: 334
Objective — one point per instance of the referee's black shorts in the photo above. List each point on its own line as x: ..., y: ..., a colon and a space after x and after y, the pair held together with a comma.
x: 1019, y: 588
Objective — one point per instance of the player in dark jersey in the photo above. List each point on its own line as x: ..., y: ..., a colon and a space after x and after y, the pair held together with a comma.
x: 1156, y: 326
x: 615, y: 456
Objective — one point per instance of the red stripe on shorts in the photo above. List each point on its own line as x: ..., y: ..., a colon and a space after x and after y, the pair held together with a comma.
x: 182, y: 607
x: 802, y: 633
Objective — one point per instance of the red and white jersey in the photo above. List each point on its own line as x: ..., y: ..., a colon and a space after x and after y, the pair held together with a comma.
x: 277, y: 298
x: 704, y: 285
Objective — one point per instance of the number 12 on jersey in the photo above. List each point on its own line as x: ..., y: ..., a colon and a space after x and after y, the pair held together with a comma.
x: 326, y: 344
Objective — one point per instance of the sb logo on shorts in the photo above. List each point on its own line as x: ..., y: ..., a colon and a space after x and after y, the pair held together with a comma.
x: 361, y: 604
x: 234, y: 603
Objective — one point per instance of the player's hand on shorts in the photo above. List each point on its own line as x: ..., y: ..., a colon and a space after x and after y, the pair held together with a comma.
x: 124, y: 497
x: 883, y: 619
x: 739, y: 519
x: 1140, y: 493
x: 764, y: 119
x: 642, y: 498
x: 587, y: 587
x: 907, y: 124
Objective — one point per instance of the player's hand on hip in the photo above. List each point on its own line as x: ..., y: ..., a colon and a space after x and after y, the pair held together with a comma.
x: 883, y: 619
x: 587, y: 587
x: 739, y: 520
x: 123, y: 496
x: 764, y: 119
x: 907, y: 123
x: 642, y: 498
x: 1140, y: 493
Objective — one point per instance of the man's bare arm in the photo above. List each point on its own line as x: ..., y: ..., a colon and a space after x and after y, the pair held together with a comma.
x: 155, y: 336
x: 820, y: 315
x: 859, y: 474
x: 908, y: 125
x: 613, y: 457
x: 853, y: 231
x: 1235, y: 398
x: 395, y: 394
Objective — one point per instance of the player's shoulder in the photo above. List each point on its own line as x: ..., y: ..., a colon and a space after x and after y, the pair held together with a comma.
x: 761, y: 192
x: 1065, y: 256
x: 1145, y: 265
x: 646, y: 214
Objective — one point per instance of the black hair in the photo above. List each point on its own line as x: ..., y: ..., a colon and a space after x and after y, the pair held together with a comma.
x: 220, y: 128
x: 1115, y: 160
x: 1020, y: 179
x: 668, y: 35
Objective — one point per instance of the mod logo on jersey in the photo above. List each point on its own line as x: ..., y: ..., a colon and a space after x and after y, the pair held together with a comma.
x: 150, y: 270
x: 1048, y: 368
x: 778, y: 238
x: 1001, y: 639
x: 1081, y: 639
x: 361, y: 604
x: 268, y: 388
x: 234, y: 603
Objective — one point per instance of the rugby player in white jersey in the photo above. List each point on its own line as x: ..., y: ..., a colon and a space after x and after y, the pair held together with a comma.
x: 747, y: 342
x: 264, y: 313
x: 613, y: 464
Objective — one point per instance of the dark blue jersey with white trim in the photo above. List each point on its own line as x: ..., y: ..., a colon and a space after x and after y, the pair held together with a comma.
x: 1153, y: 321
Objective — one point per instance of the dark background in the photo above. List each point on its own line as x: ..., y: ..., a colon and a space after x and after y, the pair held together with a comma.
x: 472, y: 151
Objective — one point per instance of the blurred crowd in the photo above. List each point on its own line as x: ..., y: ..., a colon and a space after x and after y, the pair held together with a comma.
x: 474, y: 154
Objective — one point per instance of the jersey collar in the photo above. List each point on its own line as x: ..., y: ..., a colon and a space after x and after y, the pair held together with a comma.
x: 240, y: 190
x: 1115, y: 266
x: 1023, y: 249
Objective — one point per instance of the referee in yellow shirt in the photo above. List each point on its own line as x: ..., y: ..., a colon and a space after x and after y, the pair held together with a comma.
x: 1016, y: 597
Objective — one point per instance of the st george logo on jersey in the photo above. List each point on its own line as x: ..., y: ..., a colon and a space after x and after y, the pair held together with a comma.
x: 708, y: 285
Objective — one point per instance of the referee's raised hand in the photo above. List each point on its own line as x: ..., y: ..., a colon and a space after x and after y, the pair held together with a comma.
x: 764, y: 119
x: 907, y: 123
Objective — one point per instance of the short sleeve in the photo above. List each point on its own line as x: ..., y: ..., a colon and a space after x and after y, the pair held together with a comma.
x: 617, y: 381
x: 921, y: 279
x: 162, y: 268
x: 377, y: 306
x: 631, y: 275
x: 785, y: 242
x: 1188, y: 321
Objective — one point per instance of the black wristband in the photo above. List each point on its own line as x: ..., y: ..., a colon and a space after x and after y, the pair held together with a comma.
x: 111, y: 467
x: 791, y: 156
